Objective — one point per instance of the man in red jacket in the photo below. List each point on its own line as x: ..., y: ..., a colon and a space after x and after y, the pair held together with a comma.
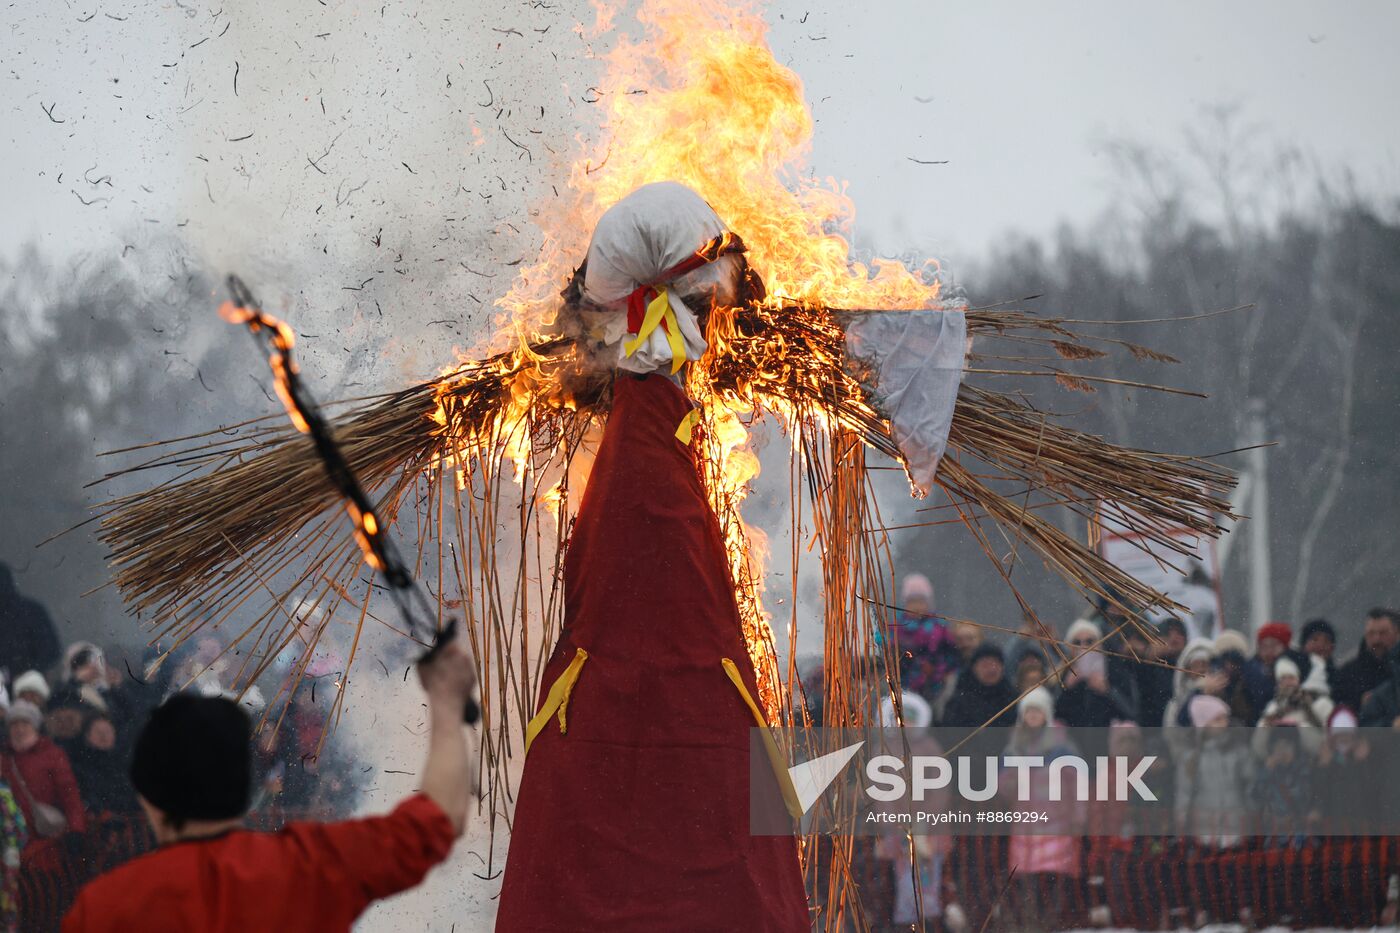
x: 192, y: 769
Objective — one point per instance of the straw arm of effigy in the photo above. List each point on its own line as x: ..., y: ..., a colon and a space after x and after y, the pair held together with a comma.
x: 240, y: 505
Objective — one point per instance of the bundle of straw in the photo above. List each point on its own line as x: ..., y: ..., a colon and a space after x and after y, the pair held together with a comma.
x: 242, y: 498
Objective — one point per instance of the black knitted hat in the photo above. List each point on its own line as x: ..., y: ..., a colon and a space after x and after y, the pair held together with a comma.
x: 193, y: 759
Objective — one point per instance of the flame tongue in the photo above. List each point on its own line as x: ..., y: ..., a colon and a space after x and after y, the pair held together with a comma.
x: 280, y: 340
x: 701, y: 100
x: 721, y: 115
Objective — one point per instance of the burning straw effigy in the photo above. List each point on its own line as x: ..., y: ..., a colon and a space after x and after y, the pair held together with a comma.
x: 480, y: 468
x: 252, y: 500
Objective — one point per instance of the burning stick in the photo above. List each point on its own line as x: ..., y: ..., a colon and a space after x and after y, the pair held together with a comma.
x: 378, y: 549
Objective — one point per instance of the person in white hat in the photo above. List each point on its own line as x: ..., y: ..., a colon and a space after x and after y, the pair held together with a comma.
x: 1048, y: 862
x: 1305, y: 706
x: 33, y: 688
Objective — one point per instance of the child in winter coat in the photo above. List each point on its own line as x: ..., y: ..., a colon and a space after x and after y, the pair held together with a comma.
x: 1213, y: 777
x: 1305, y: 705
x: 1047, y: 856
x: 930, y: 851
x: 922, y: 639
x: 1282, y: 787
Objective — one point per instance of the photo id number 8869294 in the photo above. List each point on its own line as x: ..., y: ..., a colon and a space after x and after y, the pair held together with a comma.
x: 1013, y: 816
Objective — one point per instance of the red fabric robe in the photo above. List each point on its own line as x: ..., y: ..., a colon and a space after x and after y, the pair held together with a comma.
x: 637, y: 818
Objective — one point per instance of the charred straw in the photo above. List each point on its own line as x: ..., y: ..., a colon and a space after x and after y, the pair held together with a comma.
x: 245, y: 498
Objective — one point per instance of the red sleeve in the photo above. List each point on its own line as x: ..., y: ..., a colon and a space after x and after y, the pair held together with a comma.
x: 75, y: 921
x: 383, y: 855
x: 69, y: 800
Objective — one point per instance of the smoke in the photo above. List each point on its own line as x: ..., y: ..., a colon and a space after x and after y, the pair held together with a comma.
x: 383, y: 732
x: 370, y: 169
x: 102, y: 354
x: 90, y: 359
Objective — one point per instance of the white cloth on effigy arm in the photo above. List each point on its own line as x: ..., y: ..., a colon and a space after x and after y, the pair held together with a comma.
x: 636, y: 240
x: 911, y: 365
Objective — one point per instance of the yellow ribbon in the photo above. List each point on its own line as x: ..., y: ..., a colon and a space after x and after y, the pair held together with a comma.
x: 556, y: 701
x: 659, y: 310
x: 688, y: 423
x: 775, y: 756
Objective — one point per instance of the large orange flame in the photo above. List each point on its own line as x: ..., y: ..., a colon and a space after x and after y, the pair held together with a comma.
x: 700, y: 99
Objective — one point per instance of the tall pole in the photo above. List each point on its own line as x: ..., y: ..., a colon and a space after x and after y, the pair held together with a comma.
x: 1261, y: 607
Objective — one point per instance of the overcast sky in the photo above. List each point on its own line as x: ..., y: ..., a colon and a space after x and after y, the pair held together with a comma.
x: 1018, y: 97
x: 1022, y: 97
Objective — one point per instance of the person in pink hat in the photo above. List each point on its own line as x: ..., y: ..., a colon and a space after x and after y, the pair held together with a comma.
x: 1213, y: 777
x: 923, y: 640
x: 1048, y: 861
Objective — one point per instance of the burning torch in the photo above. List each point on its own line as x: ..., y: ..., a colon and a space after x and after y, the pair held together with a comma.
x: 378, y: 548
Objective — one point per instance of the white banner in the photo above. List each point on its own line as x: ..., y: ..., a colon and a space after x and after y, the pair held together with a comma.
x: 1191, y: 579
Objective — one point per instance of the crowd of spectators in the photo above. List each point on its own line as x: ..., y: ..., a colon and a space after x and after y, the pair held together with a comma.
x: 1248, y: 732
x: 71, y: 714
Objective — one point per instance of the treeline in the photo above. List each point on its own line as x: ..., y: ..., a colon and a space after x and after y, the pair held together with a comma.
x: 1315, y: 354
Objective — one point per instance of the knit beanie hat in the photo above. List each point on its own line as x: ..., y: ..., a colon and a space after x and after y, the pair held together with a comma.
x: 1279, y: 631
x: 24, y: 711
x: 1204, y: 708
x: 917, y: 713
x: 1172, y: 624
x: 916, y: 586
x: 1040, y: 699
x: 32, y: 682
x: 1231, y: 640
x: 986, y: 650
x: 1317, y: 627
x: 1079, y: 628
x: 1195, y: 648
x: 1341, y: 718
x: 193, y: 759
x: 1284, y: 667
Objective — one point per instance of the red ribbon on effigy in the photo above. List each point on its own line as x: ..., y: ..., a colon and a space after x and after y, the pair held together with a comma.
x: 644, y: 295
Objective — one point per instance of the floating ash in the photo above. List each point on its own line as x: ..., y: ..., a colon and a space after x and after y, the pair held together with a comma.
x: 477, y: 468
